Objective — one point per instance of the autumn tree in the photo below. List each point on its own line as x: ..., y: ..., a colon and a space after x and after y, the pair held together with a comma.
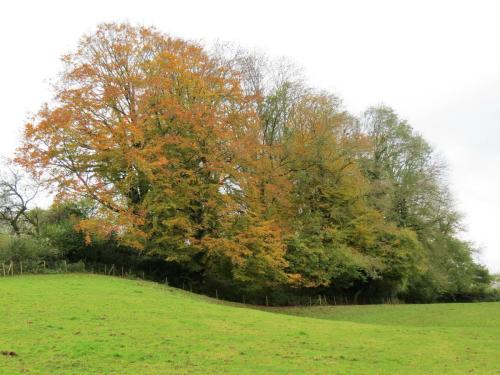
x: 310, y: 182
x: 228, y: 164
x: 151, y: 128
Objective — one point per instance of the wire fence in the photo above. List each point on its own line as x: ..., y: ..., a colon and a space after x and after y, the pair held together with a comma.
x: 12, y: 268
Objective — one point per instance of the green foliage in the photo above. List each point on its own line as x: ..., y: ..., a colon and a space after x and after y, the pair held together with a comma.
x: 238, y: 174
x: 26, y: 248
x: 451, y: 274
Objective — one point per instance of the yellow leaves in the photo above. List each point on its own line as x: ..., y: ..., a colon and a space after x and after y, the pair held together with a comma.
x: 135, y: 106
x: 179, y: 226
x: 234, y: 251
x: 95, y: 226
x: 256, y: 252
x: 297, y: 280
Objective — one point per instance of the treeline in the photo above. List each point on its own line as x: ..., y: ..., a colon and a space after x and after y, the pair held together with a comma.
x: 228, y: 170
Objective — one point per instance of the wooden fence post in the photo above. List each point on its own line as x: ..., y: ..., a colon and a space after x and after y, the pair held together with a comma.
x: 3, y: 268
x: 21, y: 267
x: 216, y: 292
x: 267, y: 301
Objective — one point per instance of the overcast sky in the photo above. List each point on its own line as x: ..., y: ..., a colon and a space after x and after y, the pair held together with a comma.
x: 437, y: 63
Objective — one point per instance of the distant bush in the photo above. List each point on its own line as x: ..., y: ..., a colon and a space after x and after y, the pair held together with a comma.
x: 25, y: 248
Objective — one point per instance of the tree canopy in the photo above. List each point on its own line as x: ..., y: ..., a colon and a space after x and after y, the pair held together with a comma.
x: 234, y: 168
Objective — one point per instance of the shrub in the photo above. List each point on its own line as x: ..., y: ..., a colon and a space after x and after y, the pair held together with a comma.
x: 25, y: 248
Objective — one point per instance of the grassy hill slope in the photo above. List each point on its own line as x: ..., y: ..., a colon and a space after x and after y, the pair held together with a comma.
x: 86, y: 324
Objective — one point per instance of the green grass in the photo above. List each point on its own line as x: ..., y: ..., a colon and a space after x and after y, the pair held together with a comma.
x: 86, y: 324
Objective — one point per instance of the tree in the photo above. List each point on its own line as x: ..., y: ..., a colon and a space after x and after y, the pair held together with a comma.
x: 408, y: 181
x: 152, y: 129
x: 408, y: 175
x: 229, y: 165
x: 17, y: 193
x: 339, y: 239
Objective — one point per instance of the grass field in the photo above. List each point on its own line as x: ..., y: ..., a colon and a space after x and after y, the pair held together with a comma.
x: 87, y: 324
